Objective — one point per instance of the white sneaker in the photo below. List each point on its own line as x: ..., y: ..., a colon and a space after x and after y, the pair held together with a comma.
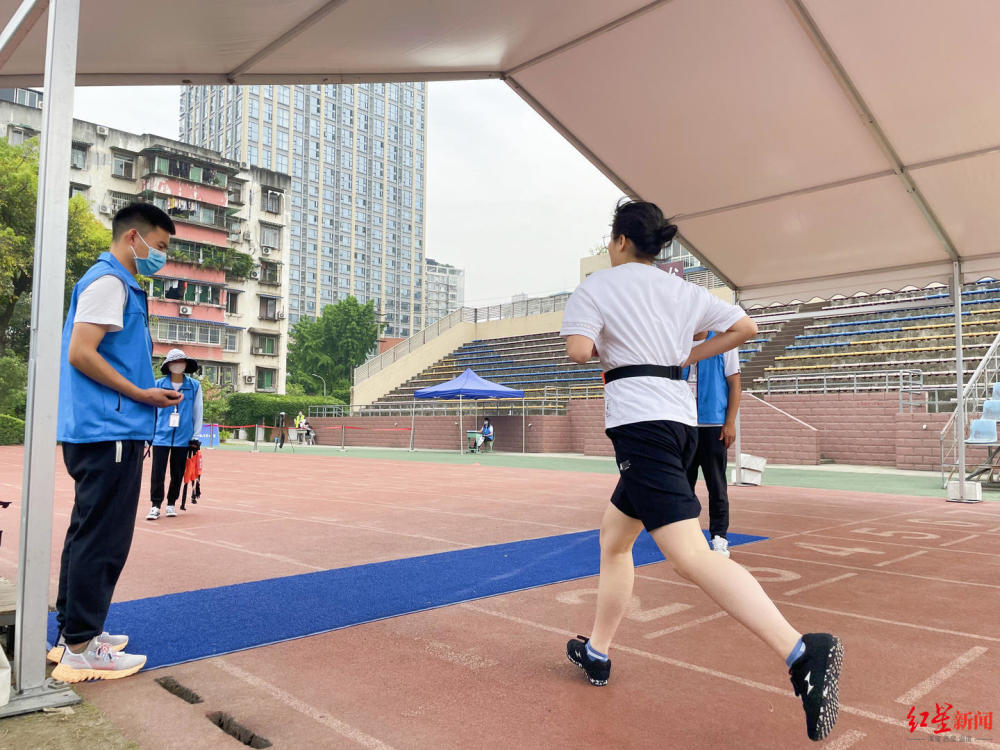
x: 117, y: 643
x: 153, y: 514
x: 97, y: 662
x: 171, y: 513
x: 720, y: 545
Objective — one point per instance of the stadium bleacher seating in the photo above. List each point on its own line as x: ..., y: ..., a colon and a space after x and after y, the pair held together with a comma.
x: 851, y: 344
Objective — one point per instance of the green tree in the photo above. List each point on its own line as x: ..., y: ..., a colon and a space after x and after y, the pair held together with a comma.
x: 86, y: 239
x: 13, y: 382
x: 332, y: 346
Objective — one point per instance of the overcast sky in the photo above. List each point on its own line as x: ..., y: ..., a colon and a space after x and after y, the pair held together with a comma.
x: 508, y: 199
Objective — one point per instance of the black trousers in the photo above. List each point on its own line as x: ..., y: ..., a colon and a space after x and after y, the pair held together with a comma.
x: 108, y: 478
x: 710, y: 457
x: 176, y: 458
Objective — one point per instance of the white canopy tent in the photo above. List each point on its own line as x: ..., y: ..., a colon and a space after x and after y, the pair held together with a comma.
x: 806, y: 147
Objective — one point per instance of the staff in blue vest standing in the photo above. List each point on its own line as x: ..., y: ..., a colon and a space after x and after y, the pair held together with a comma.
x: 107, y: 411
x: 716, y: 384
x: 177, y: 428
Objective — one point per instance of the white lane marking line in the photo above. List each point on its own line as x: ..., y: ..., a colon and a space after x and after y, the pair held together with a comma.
x: 683, y: 626
x: 857, y: 616
x: 845, y: 740
x: 667, y: 580
x: 243, y: 550
x: 870, y: 570
x: 816, y: 585
x: 959, y: 541
x: 900, y: 559
x: 902, y: 544
x: 468, y: 659
x: 338, y: 726
x: 712, y: 672
x: 946, y: 672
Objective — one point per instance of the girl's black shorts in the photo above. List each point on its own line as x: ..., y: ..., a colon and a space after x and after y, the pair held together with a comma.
x: 652, y: 466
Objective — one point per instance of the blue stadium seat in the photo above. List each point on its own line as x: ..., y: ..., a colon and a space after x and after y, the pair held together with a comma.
x: 983, y: 431
x: 991, y: 410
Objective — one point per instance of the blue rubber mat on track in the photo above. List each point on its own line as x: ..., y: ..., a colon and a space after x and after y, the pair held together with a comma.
x: 191, y: 625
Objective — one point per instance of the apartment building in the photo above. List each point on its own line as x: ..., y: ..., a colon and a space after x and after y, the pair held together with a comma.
x: 221, y: 295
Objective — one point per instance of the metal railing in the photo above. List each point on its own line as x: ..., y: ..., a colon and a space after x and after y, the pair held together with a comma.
x: 976, y: 392
x: 519, y: 309
x: 909, y: 382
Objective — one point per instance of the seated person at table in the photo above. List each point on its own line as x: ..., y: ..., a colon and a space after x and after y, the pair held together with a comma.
x: 485, y: 435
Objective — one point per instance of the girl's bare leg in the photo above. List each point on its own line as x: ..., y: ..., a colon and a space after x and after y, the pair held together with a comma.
x: 614, y: 588
x: 728, y: 583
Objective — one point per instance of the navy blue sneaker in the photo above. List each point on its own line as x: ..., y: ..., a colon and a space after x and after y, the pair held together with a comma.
x: 597, y: 671
x: 814, y: 677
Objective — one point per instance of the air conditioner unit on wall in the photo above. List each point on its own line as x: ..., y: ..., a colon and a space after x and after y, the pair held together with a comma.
x: 105, y: 208
x: 254, y: 275
x: 184, y: 310
x: 102, y: 130
x: 265, y: 251
x: 256, y: 350
x: 247, y: 236
x: 248, y: 378
x: 281, y: 314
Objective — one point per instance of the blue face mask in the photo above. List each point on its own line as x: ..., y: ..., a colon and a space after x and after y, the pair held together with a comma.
x: 152, y: 263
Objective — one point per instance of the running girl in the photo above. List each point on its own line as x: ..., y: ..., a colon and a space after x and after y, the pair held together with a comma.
x: 640, y: 321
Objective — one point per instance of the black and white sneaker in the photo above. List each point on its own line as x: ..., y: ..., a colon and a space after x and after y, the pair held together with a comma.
x: 597, y: 671
x: 815, y: 676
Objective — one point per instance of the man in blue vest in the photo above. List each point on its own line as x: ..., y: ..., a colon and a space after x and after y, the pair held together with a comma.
x: 107, y: 413
x: 716, y: 384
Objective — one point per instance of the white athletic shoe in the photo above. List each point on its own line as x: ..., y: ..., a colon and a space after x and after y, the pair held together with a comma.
x: 117, y: 643
x: 153, y: 514
x: 171, y: 513
x: 97, y: 662
x: 720, y: 545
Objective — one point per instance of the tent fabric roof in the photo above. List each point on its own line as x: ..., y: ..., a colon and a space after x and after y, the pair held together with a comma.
x: 468, y: 385
x: 805, y: 147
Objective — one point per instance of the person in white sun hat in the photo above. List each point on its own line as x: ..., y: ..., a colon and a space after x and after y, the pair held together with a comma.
x: 176, y: 428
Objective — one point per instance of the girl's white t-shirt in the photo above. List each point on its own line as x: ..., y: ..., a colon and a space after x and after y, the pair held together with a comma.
x: 637, y: 314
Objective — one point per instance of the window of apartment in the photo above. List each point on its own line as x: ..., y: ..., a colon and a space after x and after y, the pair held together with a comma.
x: 270, y: 236
x: 271, y: 202
x: 264, y: 345
x: 231, y: 341
x: 268, y: 308
x: 78, y: 157
x: 233, y: 302
x: 284, y: 95
x: 75, y: 189
x: 219, y: 374
x: 269, y: 273
x: 266, y: 379
x: 123, y: 166
x: 119, y: 201
x: 202, y: 294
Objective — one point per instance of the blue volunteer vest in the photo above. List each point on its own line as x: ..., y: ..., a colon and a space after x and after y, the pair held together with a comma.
x: 182, y: 434
x: 713, y: 390
x: 88, y: 411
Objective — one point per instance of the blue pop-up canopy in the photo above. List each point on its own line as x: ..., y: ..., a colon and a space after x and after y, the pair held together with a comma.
x: 470, y: 385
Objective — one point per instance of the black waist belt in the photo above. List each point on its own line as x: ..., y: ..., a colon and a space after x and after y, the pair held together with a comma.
x: 643, y: 371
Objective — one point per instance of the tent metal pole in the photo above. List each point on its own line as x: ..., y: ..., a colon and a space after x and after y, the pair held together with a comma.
x: 956, y: 292
x: 739, y: 429
x: 413, y: 411
x: 524, y: 439
x: 20, y: 24
x: 51, y: 222
x: 461, y: 427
